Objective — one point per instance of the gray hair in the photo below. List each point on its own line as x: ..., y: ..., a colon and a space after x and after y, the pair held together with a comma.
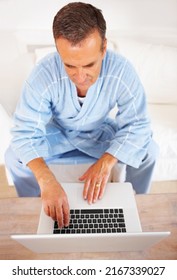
x: 77, y: 20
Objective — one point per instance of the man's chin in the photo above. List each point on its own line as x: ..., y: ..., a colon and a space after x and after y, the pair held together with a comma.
x: 83, y: 87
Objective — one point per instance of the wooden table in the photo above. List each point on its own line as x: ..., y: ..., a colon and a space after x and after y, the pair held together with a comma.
x: 158, y: 212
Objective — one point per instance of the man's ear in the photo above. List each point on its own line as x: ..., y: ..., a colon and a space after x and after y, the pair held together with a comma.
x: 104, y: 47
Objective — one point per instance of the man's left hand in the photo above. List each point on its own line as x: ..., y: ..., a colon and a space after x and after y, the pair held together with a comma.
x: 96, y: 178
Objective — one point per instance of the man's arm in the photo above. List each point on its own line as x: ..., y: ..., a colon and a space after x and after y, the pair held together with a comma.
x: 53, y: 196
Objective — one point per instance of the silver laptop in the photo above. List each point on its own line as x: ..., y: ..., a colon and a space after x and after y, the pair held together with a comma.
x: 110, y: 224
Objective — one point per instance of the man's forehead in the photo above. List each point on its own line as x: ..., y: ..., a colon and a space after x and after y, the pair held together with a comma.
x: 93, y: 41
x: 81, y: 54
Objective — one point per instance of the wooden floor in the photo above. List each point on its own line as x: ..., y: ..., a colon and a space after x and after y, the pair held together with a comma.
x: 9, y: 191
x: 5, y: 189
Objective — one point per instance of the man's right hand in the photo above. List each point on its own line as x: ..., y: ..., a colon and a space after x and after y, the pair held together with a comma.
x: 55, y: 202
x: 54, y: 198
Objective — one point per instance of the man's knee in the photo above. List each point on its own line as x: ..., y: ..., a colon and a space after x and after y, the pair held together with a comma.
x: 8, y: 157
x: 119, y: 173
x: 152, y: 154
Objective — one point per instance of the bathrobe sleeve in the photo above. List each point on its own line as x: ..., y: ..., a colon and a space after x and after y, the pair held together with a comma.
x: 133, y: 133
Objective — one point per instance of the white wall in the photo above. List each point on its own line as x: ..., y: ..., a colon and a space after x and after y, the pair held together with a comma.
x: 38, y: 14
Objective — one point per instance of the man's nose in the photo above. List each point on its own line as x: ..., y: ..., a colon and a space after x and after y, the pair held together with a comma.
x: 80, y: 75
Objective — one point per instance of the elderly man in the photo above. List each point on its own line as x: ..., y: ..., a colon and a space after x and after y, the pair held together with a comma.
x: 64, y: 110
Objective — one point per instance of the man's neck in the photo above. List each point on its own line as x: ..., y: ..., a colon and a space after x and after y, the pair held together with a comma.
x: 81, y: 93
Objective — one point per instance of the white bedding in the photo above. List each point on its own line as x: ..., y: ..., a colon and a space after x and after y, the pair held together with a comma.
x: 164, y: 126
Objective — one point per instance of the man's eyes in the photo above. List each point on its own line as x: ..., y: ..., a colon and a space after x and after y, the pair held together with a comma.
x: 73, y: 67
x: 69, y: 66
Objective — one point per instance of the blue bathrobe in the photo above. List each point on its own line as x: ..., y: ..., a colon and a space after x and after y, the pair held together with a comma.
x: 50, y: 122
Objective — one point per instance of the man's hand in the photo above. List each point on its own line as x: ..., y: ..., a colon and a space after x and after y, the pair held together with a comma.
x: 96, y: 178
x: 54, y: 198
x: 55, y: 201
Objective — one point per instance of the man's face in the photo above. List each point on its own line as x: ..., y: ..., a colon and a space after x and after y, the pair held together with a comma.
x: 82, y: 61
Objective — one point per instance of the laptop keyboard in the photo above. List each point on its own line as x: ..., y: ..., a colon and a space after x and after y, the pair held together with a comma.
x: 93, y: 221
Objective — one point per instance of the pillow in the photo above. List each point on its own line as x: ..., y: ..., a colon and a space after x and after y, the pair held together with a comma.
x: 111, y: 45
x: 156, y: 66
x: 12, y: 77
x: 10, y: 46
x: 15, y: 66
x: 41, y: 52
